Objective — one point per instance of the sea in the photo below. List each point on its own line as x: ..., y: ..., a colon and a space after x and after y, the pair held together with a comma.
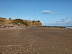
x: 68, y: 27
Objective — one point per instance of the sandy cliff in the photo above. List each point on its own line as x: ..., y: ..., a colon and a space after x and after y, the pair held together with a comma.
x: 18, y: 22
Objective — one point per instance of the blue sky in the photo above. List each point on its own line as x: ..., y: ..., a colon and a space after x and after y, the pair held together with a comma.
x: 49, y: 12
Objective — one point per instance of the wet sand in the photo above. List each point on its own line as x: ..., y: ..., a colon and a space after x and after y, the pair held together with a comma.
x: 36, y: 41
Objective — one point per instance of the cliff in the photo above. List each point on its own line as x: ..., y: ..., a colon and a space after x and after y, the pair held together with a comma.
x: 19, y: 22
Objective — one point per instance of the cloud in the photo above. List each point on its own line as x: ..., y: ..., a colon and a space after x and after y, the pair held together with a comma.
x: 62, y: 20
x: 65, y: 18
x: 50, y: 12
x: 70, y: 21
x: 46, y: 12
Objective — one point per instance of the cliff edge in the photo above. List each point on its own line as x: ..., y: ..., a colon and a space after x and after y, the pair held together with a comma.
x: 18, y: 22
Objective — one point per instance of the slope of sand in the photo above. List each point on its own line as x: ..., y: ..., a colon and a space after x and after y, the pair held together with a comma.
x: 36, y: 41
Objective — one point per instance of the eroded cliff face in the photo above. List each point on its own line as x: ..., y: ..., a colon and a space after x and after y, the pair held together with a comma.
x: 33, y: 23
x: 19, y: 22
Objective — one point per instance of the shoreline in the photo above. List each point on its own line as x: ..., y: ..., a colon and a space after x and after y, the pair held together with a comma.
x: 28, y: 27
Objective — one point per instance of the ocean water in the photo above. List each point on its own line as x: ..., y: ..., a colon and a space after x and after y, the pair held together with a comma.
x: 69, y: 27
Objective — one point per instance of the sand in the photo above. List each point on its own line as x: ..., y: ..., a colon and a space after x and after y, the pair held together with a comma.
x: 36, y: 41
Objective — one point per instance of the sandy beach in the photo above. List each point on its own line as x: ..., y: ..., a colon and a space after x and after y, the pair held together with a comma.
x: 36, y: 41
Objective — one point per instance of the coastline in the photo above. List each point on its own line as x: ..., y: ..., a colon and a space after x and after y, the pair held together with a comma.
x: 28, y: 27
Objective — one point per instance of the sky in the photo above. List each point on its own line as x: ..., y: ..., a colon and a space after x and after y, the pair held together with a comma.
x: 49, y: 12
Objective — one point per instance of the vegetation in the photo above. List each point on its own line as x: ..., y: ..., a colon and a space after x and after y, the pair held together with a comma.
x: 38, y: 21
x: 33, y: 22
x: 20, y: 22
x: 2, y: 18
x: 9, y: 18
x: 1, y: 21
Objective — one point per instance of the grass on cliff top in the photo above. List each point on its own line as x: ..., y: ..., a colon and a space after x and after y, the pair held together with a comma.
x: 2, y: 20
x: 19, y: 22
